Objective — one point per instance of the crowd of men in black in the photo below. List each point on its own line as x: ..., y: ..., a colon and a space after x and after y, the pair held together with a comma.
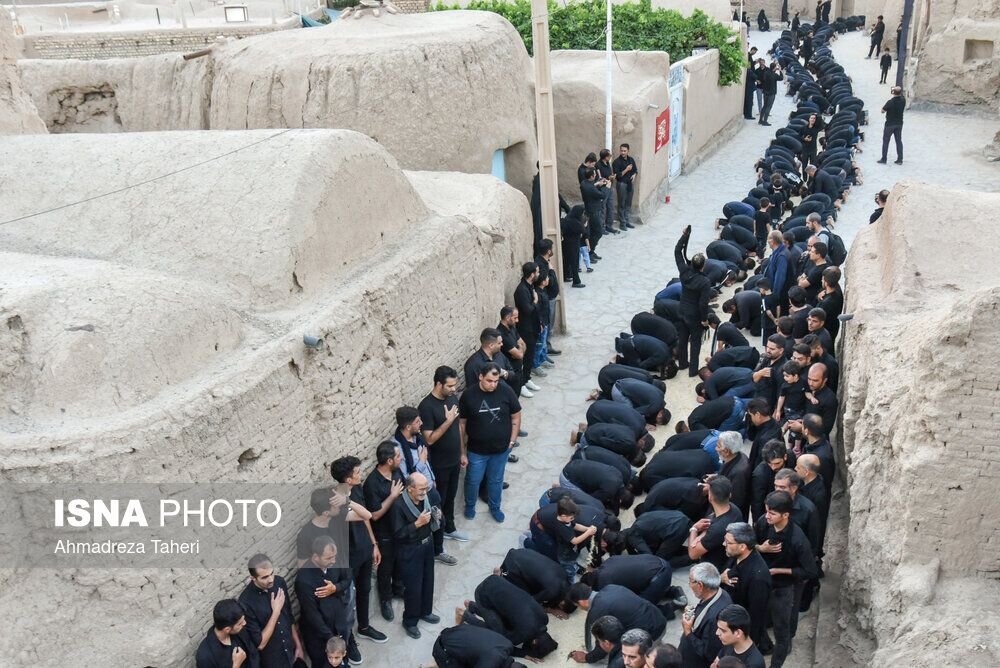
x: 740, y: 494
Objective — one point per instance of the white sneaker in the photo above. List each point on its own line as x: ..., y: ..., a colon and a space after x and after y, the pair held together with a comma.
x: 548, y: 364
x: 526, y: 393
x: 531, y: 386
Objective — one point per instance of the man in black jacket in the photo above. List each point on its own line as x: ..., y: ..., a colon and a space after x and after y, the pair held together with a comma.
x: 893, y: 110
x: 269, y: 617
x: 633, y: 611
x: 658, y: 532
x: 468, y: 646
x: 593, y: 202
x: 699, y: 643
x: 747, y: 579
x: 647, y: 398
x: 501, y: 606
x: 413, y: 521
x: 536, y: 574
x: 643, y: 351
x: 769, y: 79
x: 696, y: 292
x: 228, y: 643
x: 684, y: 494
x: 675, y: 464
x: 529, y: 322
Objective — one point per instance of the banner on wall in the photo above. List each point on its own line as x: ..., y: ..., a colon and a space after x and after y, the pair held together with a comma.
x: 662, y: 130
x: 675, y: 82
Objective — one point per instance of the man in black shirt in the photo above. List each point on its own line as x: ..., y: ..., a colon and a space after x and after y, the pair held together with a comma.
x: 513, y: 348
x: 820, y: 356
x: 647, y: 575
x: 633, y: 611
x: 747, y: 579
x: 767, y: 376
x: 893, y: 110
x: 742, y: 356
x: 605, y: 411
x: 813, y: 487
x: 468, y: 646
x: 816, y: 323
x: 529, y: 320
x: 791, y: 562
x: 228, y: 643
x: 625, y: 172
x: 734, y: 633
x: 602, y: 481
x: 706, y: 537
x: 439, y: 415
x: 695, y: 294
x: 489, y: 421
x: 500, y: 606
x: 269, y: 618
x: 769, y: 79
x: 733, y: 381
x: 648, y: 398
x: 413, y: 521
x: 612, y: 373
x: 594, y: 194
x: 657, y: 532
x: 382, y: 488
x: 653, y: 325
x: 364, y: 553
x: 606, y: 172
x: 617, y: 438
x: 804, y: 513
x: 725, y: 333
x: 643, y: 351
x: 881, y: 197
x: 773, y: 457
x: 675, y: 464
x: 763, y: 428
x: 687, y: 495
x: 323, y: 589
x: 831, y: 300
x: 490, y: 345
x: 723, y: 413
x: 817, y: 443
x: 536, y: 574
x: 732, y: 451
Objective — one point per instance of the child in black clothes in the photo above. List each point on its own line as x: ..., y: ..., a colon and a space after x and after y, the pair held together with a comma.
x: 885, y: 62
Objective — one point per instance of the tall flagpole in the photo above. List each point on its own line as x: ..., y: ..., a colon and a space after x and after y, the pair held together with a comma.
x: 608, y: 110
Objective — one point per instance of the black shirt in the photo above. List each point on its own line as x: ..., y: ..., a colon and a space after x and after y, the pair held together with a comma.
x: 614, y: 412
x: 712, y: 413
x: 522, y: 616
x: 795, y: 396
x: 632, y: 571
x: 529, y: 322
x: 727, y: 378
x: 721, y: 249
x: 826, y: 408
x: 280, y: 649
x: 323, y: 618
x: 644, y: 397
x: 376, y: 490
x: 744, y: 356
x: 749, y: 309
x: 213, y: 654
x: 593, y: 453
x: 761, y: 484
x: 731, y: 335
x: 488, y: 418
x: 653, y: 325
x: 614, y: 437
x: 795, y: 553
x: 761, y: 219
x: 601, y: 481
x: 876, y: 214
x: 738, y: 471
x: 619, y: 166
x: 536, y: 574
x: 683, y: 494
x: 752, y: 589
x: 827, y: 462
x: 563, y: 534
x: 716, y: 534
x: 307, y: 534
x: 509, y: 337
x: 676, y: 464
x: 612, y: 373
x: 360, y: 541
x: 478, y: 360
x: 404, y: 529
x: 649, y: 352
x: 752, y: 658
x: 474, y: 647
x: 894, y: 110
x: 687, y: 440
x: 697, y: 289
x: 633, y: 611
x: 447, y: 450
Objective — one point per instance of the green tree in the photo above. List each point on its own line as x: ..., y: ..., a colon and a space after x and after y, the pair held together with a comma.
x: 637, y: 27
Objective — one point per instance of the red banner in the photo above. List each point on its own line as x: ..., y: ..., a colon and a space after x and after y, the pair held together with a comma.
x: 662, y: 130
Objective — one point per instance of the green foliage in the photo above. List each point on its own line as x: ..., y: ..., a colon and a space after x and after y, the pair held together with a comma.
x: 636, y: 27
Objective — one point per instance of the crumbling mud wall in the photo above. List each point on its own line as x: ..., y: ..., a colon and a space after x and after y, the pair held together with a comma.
x: 413, y: 83
x: 17, y: 113
x: 161, y: 340
x: 921, y: 427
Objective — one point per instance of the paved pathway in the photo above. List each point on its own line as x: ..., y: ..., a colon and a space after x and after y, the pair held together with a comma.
x: 636, y: 266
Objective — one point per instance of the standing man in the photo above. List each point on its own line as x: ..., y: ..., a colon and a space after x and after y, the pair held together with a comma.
x: 416, y: 460
x: 228, y: 643
x: 413, y: 522
x: 489, y: 421
x: 607, y: 173
x: 593, y: 191
x: 364, y: 554
x: 696, y: 292
x: 625, y: 173
x: 878, y: 33
x: 490, y: 345
x: 268, y: 609
x: 748, y: 579
x: 734, y: 634
x: 893, y: 110
x: 769, y: 79
x: 543, y: 258
x: 324, y: 599
x: 750, y: 85
x: 529, y: 321
x: 513, y: 347
x: 382, y: 488
x: 439, y: 415
x: 699, y: 643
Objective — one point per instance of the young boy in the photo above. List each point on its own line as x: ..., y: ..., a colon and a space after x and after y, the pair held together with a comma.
x: 885, y: 62
x: 336, y: 653
x: 792, y: 395
x: 559, y: 522
x: 542, y: 348
x: 762, y: 225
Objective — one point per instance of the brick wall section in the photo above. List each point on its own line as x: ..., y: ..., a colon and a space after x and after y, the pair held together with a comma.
x: 132, y: 44
x: 412, y: 6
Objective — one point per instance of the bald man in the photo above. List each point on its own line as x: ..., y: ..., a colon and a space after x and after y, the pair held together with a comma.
x: 820, y: 399
x: 413, y: 522
x: 809, y: 468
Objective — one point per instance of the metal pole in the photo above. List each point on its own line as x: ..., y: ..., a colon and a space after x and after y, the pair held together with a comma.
x: 548, y: 181
x: 903, y: 45
x: 608, y: 107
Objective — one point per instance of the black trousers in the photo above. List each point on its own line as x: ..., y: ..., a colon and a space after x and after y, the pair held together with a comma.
x: 875, y: 45
x: 530, y: 343
x: 571, y: 260
x: 885, y: 74
x: 892, y: 131
x: 388, y: 577
x: 689, y: 335
x: 446, y: 478
x: 363, y: 590
x: 765, y: 113
x: 417, y: 565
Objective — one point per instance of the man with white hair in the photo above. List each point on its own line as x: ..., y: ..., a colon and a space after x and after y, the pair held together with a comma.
x: 699, y: 642
x: 635, y: 645
x: 733, y: 453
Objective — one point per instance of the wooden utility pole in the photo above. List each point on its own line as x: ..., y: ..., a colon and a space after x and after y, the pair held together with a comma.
x: 904, y: 40
x: 548, y: 181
